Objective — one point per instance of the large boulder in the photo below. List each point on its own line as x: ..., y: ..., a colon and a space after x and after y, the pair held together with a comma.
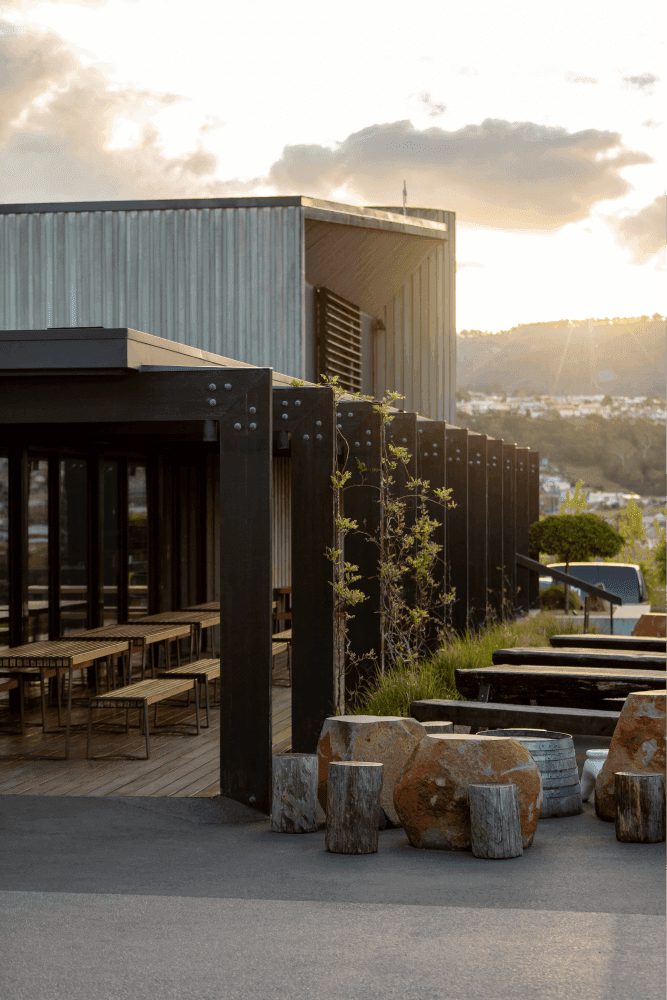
x: 431, y: 796
x: 638, y: 746
x: 383, y: 739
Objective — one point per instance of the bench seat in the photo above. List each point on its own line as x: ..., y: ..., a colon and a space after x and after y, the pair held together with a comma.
x: 141, y: 696
x: 491, y: 715
x: 202, y: 671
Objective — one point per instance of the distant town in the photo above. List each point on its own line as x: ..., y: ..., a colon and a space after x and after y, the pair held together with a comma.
x: 543, y: 405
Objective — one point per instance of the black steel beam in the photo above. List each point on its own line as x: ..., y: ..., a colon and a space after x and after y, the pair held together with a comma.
x: 54, y: 545
x: 246, y: 588
x: 457, y: 525
x: 478, y: 527
x: 494, y: 472
x: 309, y: 417
x: 522, y: 522
x: 509, y: 529
x: 533, y: 515
x: 556, y: 574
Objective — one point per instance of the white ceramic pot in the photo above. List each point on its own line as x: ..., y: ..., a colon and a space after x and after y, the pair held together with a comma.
x: 592, y: 767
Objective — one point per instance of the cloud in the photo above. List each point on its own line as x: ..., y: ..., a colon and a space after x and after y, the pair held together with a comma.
x: 649, y: 123
x: 644, y: 232
x: 460, y: 264
x: 509, y: 175
x: 644, y: 81
x: 434, y: 110
x: 580, y: 79
x: 57, y: 122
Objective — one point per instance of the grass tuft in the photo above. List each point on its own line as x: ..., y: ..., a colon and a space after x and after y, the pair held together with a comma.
x: 434, y: 678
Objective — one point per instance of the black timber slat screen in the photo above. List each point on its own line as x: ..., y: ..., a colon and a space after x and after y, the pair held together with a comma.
x: 338, y: 339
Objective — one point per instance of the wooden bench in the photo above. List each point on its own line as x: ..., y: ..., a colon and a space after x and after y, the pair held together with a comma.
x: 491, y: 715
x: 141, y: 696
x: 574, y: 684
x: 640, y: 644
x: 547, y: 656
x: 202, y: 671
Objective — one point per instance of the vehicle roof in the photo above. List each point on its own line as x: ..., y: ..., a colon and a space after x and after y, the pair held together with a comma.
x: 596, y: 562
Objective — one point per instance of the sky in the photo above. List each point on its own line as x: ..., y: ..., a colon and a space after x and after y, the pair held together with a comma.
x: 540, y: 125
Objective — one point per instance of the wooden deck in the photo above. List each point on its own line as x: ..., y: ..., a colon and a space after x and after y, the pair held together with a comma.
x: 181, y: 764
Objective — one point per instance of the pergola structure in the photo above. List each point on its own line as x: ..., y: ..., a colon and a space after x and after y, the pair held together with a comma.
x: 207, y: 430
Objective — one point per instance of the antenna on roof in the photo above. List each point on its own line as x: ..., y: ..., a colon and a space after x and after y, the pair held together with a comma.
x: 405, y: 198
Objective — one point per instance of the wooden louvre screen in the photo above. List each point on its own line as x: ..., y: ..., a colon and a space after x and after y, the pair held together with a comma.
x: 339, y: 339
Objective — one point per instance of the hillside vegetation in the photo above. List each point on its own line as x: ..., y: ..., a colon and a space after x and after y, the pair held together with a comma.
x: 623, y: 357
x: 631, y: 453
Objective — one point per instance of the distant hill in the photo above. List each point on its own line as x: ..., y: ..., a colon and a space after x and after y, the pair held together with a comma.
x: 624, y: 357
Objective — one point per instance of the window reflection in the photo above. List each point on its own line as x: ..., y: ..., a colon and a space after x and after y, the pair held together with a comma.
x: 73, y: 546
x: 38, y: 551
x: 137, y: 553
x: 111, y: 542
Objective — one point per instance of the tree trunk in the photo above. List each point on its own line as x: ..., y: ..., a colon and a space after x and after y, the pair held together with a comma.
x: 353, y: 805
x: 436, y: 728
x: 640, y: 808
x: 495, y: 825
x: 294, y: 800
x: 567, y: 589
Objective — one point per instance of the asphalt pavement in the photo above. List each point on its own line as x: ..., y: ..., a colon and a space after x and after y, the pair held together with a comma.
x: 111, y: 898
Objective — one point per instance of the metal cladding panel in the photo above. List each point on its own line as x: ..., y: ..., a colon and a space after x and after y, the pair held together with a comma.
x: 226, y: 280
x: 416, y: 353
x: 282, y: 522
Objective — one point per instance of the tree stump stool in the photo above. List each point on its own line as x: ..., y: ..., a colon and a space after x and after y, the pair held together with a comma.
x: 353, y: 802
x: 495, y: 823
x: 437, y: 728
x: 640, y: 808
x: 294, y: 793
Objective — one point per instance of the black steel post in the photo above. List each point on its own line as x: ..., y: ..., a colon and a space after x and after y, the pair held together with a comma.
x: 509, y: 529
x: 533, y: 515
x: 246, y: 591
x: 432, y: 467
x: 494, y: 472
x: 18, y: 546
x: 522, y: 521
x: 457, y: 525
x: 310, y: 420
x: 361, y: 428
x: 478, y: 526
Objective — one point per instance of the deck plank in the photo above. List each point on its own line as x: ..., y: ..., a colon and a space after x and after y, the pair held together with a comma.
x: 181, y: 764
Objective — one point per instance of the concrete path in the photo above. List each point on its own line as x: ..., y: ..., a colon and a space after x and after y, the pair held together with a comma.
x: 107, y: 899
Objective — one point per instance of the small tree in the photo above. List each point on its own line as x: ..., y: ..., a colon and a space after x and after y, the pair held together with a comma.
x: 575, y: 503
x: 575, y: 538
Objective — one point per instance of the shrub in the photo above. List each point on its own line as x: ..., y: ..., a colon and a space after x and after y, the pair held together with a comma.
x: 553, y: 598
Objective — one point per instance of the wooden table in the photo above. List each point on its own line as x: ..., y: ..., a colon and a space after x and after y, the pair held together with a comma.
x: 206, y: 606
x: 547, y: 656
x: 198, y: 621
x: 528, y: 682
x: 50, y: 659
x: 144, y: 635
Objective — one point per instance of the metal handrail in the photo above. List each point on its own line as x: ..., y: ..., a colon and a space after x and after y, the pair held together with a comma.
x: 557, y: 574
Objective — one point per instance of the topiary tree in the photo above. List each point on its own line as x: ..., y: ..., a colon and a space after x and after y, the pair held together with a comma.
x: 575, y: 538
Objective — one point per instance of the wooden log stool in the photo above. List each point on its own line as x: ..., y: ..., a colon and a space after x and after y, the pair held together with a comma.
x: 640, y: 808
x: 495, y: 823
x: 294, y: 793
x: 353, y: 804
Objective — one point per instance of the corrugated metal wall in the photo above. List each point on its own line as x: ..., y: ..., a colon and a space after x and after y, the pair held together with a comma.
x: 227, y: 280
x: 282, y: 522
x: 417, y: 354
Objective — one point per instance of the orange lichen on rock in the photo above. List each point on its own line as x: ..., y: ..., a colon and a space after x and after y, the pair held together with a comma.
x: 382, y: 739
x: 431, y: 796
x: 637, y: 746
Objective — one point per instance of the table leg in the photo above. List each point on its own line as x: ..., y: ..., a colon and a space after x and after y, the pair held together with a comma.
x: 43, y: 697
x: 148, y: 744
x: 90, y: 720
x: 197, y: 705
x: 208, y: 707
x: 69, y: 711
